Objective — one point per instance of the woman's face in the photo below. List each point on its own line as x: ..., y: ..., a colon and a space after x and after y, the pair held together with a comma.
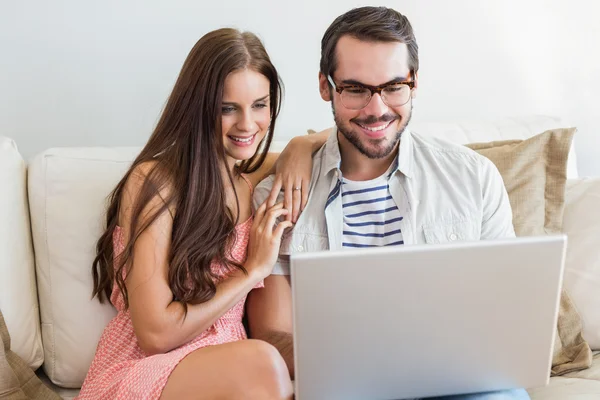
x: 246, y: 113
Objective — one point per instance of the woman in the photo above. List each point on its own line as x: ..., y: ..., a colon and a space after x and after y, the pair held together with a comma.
x: 183, y: 247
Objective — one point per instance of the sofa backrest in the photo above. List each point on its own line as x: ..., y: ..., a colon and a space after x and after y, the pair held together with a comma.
x: 68, y: 189
x: 18, y: 296
x: 67, y: 192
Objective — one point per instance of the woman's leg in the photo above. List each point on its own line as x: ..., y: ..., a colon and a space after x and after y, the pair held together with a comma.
x: 515, y: 394
x: 247, y: 369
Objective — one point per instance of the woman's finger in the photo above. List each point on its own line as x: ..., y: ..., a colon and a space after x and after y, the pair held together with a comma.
x: 272, y: 199
x: 281, y: 227
x: 259, y: 214
x: 288, y: 198
x: 271, y: 217
x: 296, y: 200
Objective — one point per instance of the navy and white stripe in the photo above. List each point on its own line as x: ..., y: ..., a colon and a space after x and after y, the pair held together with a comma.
x: 371, y: 217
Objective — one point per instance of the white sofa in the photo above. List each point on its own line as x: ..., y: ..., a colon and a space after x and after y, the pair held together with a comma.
x: 55, y: 204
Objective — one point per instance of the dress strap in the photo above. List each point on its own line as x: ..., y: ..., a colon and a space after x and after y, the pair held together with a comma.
x: 249, y: 184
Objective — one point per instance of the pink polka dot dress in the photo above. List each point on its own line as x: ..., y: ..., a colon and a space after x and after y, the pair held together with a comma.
x: 121, y: 370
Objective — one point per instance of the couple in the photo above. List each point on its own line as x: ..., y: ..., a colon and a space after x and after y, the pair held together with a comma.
x: 184, y: 247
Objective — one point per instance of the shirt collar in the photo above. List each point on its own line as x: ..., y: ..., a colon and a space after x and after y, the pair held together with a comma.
x: 332, y: 156
x: 405, y: 154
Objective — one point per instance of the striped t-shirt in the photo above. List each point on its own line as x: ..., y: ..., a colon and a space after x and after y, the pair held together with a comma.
x: 371, y: 217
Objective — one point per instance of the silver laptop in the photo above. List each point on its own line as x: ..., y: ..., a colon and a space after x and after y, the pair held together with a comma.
x: 426, y: 320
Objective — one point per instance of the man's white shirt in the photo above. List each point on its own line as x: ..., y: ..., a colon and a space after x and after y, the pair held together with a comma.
x: 443, y: 192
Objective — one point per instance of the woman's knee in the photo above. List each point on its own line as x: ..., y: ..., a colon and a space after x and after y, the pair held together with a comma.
x: 266, y: 356
x: 258, y: 373
x: 269, y: 366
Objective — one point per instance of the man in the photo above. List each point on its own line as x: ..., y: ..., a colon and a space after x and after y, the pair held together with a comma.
x: 375, y: 183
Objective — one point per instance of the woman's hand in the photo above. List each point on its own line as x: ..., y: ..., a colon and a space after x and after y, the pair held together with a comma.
x: 293, y: 170
x: 265, y: 238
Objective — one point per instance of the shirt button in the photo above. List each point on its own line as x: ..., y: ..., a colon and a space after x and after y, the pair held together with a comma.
x: 300, y: 248
x: 453, y: 236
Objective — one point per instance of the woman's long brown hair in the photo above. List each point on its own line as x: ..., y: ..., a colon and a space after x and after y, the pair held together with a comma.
x: 188, y: 156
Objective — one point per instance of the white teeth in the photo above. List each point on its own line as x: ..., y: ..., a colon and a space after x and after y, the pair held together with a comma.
x: 377, y: 129
x: 247, y: 140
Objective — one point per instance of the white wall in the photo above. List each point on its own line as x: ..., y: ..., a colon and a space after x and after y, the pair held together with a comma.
x: 98, y: 73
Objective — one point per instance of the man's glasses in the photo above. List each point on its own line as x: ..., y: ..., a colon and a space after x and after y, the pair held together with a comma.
x: 356, y: 97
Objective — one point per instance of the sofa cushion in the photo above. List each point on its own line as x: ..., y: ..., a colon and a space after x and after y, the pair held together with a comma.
x: 534, y: 173
x: 67, y: 193
x: 580, y: 385
x: 18, y: 293
x: 582, y: 275
x: 65, y: 394
x: 561, y: 388
x: 591, y: 373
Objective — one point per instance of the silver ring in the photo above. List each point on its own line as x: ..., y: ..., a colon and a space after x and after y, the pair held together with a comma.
x: 297, y: 188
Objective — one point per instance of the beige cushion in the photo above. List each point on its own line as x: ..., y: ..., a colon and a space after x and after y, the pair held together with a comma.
x: 571, y: 352
x: 17, y: 380
x: 67, y: 192
x: 18, y: 296
x: 534, y: 173
x: 582, y: 276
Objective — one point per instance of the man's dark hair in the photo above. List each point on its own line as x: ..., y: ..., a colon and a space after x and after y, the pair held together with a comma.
x: 374, y: 24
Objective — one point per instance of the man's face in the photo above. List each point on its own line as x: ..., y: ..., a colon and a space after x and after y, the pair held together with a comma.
x: 375, y: 129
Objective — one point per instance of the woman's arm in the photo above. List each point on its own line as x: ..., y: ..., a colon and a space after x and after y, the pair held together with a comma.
x: 293, y: 169
x: 298, y: 144
x: 159, y: 322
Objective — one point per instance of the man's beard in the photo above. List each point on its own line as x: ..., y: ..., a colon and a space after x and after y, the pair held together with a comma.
x: 375, y: 151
